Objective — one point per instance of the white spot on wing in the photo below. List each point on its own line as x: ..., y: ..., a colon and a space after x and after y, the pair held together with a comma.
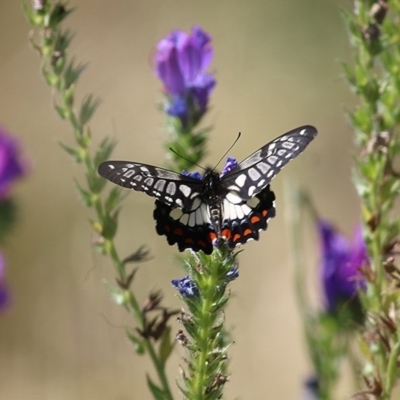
x: 288, y: 145
x: 254, y: 174
x: 185, y: 190
x: 261, y: 183
x: 171, y: 188
x: 251, y: 190
x: 240, y: 180
x: 263, y: 167
x: 159, y: 185
x: 239, y: 212
x: 233, y: 198
x: 184, y: 219
x: 196, y: 204
x: 179, y: 202
x: 272, y: 159
x: 192, y: 219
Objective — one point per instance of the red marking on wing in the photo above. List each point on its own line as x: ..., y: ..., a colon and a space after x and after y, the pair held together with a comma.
x: 226, y: 233
x: 264, y: 213
x: 247, y: 232
x: 212, y: 236
x: 189, y: 241
x: 201, y: 243
x: 178, y: 231
x: 236, y: 237
x: 254, y: 219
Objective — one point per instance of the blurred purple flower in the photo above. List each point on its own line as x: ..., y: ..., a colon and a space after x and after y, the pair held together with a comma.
x: 311, y: 389
x: 3, y: 289
x: 341, y: 263
x: 181, y: 61
x: 11, y: 166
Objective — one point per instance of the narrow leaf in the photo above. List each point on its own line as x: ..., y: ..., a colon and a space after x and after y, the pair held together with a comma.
x: 158, y: 393
x: 138, y: 342
x: 88, y: 107
x: 166, y: 345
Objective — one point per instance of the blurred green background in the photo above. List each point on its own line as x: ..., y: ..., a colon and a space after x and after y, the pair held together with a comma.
x: 276, y: 63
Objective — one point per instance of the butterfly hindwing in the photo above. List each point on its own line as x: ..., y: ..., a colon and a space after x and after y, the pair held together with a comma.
x: 173, y: 189
x: 255, y: 172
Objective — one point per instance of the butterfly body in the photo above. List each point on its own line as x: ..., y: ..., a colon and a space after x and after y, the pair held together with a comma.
x: 234, y: 206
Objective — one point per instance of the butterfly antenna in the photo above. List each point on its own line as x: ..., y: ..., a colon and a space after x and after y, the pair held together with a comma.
x: 186, y: 159
x: 230, y: 148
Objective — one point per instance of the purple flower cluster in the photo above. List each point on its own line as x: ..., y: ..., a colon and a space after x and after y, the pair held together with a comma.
x: 11, y: 167
x: 181, y: 61
x: 341, y: 263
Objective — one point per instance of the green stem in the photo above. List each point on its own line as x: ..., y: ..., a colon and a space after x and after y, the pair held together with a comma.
x: 205, y: 344
x: 391, y: 371
x: 159, y: 366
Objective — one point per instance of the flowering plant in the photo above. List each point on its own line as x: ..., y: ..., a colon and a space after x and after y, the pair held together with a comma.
x: 359, y: 279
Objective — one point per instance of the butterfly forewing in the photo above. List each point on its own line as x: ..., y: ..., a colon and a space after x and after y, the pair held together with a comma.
x: 255, y: 172
x: 173, y: 189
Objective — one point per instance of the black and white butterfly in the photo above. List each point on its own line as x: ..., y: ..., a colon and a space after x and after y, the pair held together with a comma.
x: 196, y: 213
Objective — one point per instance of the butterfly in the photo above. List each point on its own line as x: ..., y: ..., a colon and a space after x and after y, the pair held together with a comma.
x: 195, y: 213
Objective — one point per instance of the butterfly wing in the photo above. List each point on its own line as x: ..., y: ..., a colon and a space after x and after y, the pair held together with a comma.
x: 255, y: 172
x: 170, y: 188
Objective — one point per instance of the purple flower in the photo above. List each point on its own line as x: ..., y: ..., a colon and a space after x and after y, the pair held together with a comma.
x: 3, y: 290
x: 11, y: 166
x: 341, y: 263
x: 181, y: 61
x: 230, y: 164
x: 233, y: 273
x: 186, y: 287
x: 195, y: 175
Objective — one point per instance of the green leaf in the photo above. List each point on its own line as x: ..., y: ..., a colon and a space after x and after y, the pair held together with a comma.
x: 140, y: 347
x: 88, y: 107
x: 95, y: 182
x: 62, y: 41
x: 110, y: 225
x: 86, y: 196
x: 34, y: 17
x: 73, y: 72
x: 75, y: 153
x: 50, y: 78
x: 68, y: 96
x: 166, y: 345
x: 61, y: 111
x: 58, y: 14
x: 117, y: 294
x: 113, y: 199
x: 158, y: 393
x: 104, y: 151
